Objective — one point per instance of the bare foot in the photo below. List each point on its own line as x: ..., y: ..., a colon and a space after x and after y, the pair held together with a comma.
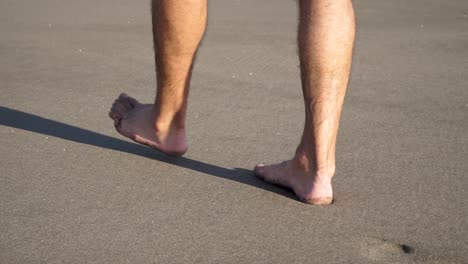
x: 136, y: 121
x: 295, y: 174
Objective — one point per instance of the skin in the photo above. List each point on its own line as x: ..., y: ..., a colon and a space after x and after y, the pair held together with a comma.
x: 325, y: 39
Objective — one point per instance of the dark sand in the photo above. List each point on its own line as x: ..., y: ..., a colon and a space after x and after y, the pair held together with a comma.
x: 73, y: 191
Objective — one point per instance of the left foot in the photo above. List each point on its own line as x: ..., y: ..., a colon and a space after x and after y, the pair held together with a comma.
x: 309, y: 186
x: 137, y: 122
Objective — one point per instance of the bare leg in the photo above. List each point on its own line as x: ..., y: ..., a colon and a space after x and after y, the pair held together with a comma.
x: 178, y: 26
x: 325, y: 38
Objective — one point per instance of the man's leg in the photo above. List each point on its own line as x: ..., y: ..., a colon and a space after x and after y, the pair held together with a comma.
x: 325, y: 38
x: 178, y: 26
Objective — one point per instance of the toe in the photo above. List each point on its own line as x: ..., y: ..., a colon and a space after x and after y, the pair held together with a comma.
x: 265, y: 173
x: 123, y: 96
x: 273, y: 174
x: 260, y: 170
x: 117, y: 111
x: 127, y: 101
x: 114, y: 115
x: 119, y: 108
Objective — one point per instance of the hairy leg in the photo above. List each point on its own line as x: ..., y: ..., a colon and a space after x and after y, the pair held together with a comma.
x: 325, y: 39
x: 178, y: 27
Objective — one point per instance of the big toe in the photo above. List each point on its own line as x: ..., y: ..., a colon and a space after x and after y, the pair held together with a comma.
x: 121, y: 106
x: 128, y: 102
x: 260, y: 170
x: 271, y: 174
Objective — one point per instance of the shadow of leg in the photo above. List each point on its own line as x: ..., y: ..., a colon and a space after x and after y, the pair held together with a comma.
x: 25, y: 121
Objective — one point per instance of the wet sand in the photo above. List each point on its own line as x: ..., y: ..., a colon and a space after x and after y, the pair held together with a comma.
x: 73, y: 191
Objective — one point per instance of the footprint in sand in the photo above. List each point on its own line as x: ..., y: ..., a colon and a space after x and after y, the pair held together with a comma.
x: 384, y: 251
x: 377, y: 250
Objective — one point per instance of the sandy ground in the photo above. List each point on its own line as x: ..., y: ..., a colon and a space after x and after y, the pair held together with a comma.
x: 73, y: 191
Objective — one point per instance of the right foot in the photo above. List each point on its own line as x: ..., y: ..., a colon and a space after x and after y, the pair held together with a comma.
x: 309, y: 186
x: 136, y: 121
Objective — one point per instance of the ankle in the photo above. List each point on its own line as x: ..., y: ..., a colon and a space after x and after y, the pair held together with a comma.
x: 168, y: 127
x: 306, y: 161
x: 303, y: 160
x: 168, y: 121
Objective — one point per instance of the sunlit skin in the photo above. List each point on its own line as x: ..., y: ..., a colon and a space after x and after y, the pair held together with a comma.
x: 325, y: 40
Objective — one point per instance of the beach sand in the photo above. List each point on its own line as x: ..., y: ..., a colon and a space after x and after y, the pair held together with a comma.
x: 72, y: 190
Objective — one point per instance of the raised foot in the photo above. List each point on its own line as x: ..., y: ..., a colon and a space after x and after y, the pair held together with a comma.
x: 137, y: 122
x: 308, y: 186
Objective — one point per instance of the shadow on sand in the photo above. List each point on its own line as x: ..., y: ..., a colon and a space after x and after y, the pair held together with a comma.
x: 25, y: 121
